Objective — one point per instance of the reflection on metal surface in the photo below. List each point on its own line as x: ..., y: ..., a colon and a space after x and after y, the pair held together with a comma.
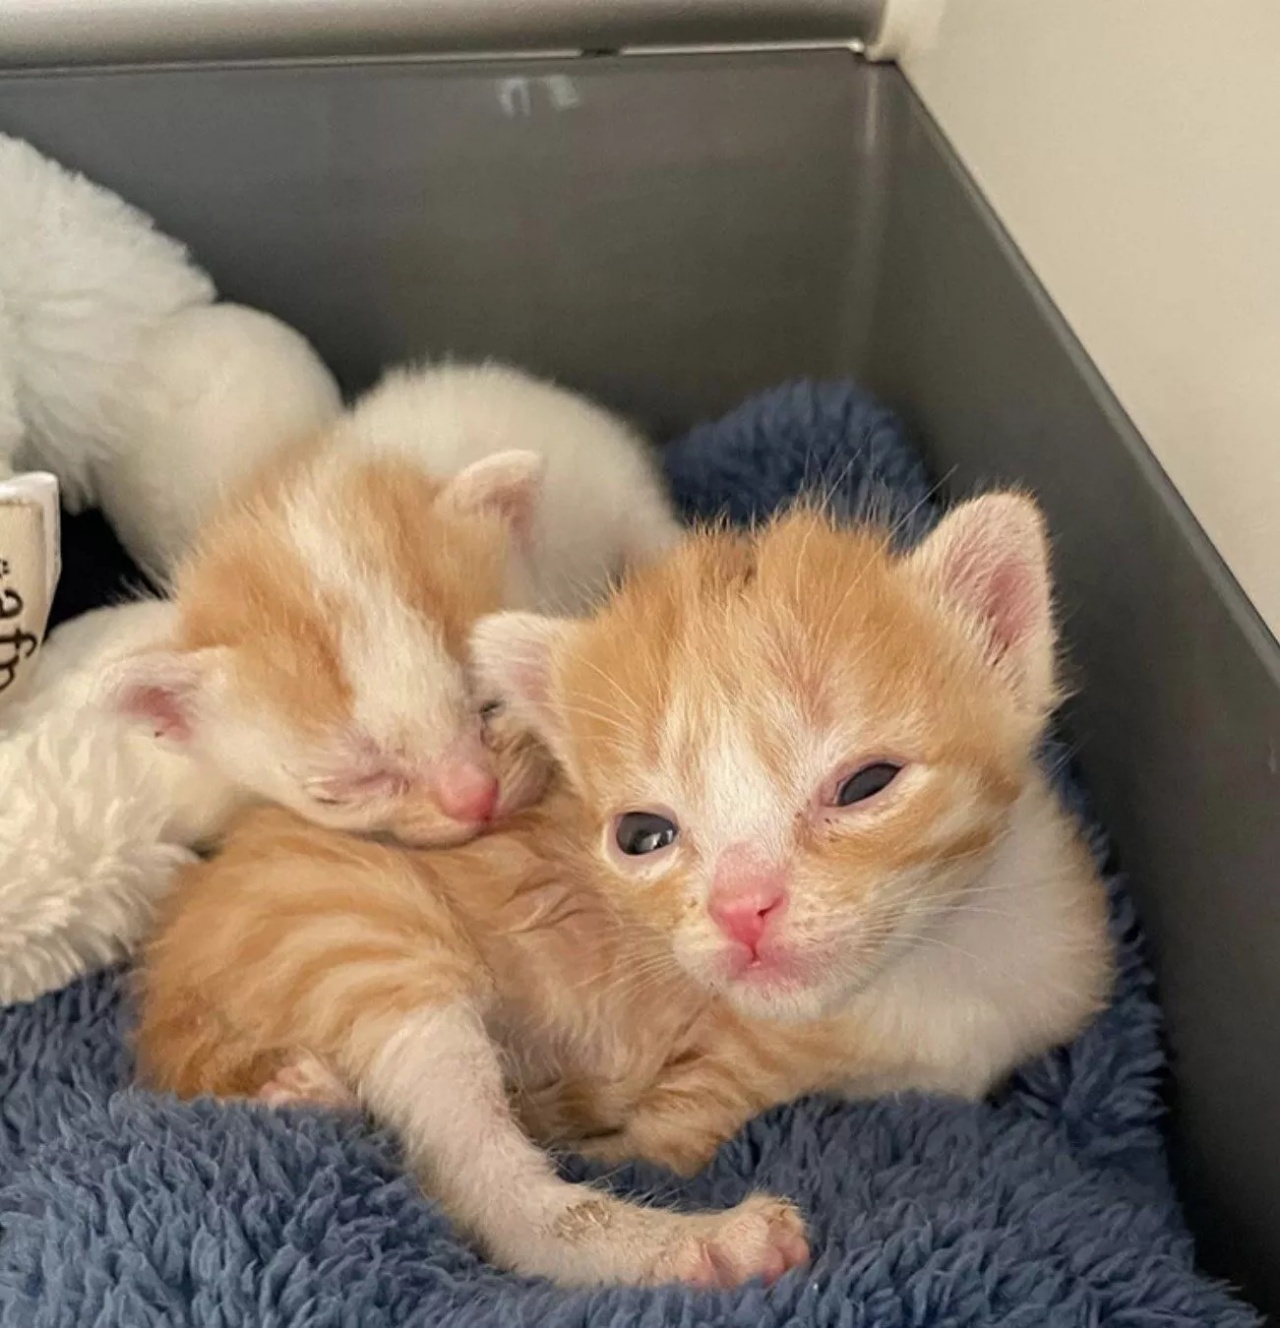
x: 521, y: 97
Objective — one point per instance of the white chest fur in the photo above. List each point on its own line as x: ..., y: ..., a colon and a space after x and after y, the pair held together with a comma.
x: 1016, y: 967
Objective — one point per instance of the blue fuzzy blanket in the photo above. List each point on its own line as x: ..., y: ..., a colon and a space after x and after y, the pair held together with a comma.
x: 1049, y: 1206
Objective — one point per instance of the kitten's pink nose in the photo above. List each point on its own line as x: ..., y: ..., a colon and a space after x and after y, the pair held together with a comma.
x: 745, y: 896
x: 466, y: 791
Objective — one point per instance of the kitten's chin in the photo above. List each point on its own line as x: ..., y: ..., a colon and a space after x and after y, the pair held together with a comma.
x: 783, y: 988
x: 784, y: 1003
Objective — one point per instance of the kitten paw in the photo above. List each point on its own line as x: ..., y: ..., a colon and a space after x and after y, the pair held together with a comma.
x: 306, y: 1081
x: 763, y: 1237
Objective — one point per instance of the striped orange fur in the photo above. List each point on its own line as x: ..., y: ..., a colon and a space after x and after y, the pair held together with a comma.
x: 320, y: 658
x: 928, y: 936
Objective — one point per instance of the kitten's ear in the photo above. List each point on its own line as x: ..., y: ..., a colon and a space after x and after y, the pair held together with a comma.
x: 988, y: 560
x: 161, y: 689
x: 513, y: 655
x: 506, y: 484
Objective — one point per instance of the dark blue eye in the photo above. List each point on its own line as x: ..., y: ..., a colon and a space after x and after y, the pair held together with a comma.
x: 866, y: 783
x: 638, y: 833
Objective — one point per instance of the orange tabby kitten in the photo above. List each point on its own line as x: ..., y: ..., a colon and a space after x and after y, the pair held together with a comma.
x: 322, y: 616
x: 802, y: 844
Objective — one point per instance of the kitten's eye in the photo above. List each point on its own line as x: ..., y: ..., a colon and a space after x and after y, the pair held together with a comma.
x: 638, y: 833
x: 866, y: 783
x: 355, y: 788
x: 489, y: 727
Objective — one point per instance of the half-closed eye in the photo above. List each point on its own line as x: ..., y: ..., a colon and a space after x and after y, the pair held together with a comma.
x: 862, y: 783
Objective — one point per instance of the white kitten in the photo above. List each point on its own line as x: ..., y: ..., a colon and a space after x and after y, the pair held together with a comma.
x: 600, y: 503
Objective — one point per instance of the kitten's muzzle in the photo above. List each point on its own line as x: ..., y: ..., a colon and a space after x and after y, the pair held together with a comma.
x: 748, y: 897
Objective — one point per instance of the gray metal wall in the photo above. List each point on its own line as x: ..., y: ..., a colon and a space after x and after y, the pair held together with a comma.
x: 669, y: 233
x: 673, y: 232
x: 1177, y: 718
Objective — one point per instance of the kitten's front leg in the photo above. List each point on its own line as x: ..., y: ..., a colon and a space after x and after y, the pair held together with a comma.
x: 438, y: 1081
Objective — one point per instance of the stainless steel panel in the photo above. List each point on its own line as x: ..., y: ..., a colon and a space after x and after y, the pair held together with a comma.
x: 58, y: 32
x: 1177, y: 717
x: 669, y: 233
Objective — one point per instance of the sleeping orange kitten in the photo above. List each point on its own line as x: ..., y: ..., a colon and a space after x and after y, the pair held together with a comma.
x: 319, y: 657
x: 802, y: 843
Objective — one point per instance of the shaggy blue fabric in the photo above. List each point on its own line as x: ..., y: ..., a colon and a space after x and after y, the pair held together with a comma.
x: 1049, y: 1206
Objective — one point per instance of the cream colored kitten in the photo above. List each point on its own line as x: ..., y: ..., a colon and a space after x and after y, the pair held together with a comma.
x: 319, y: 657
x: 803, y: 844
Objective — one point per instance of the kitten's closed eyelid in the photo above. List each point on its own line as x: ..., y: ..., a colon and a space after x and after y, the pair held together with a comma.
x: 352, y: 790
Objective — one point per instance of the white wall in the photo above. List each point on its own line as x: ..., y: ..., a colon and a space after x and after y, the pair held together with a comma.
x: 1132, y: 148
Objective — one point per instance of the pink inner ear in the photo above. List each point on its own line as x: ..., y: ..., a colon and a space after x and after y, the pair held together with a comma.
x: 161, y: 707
x: 513, y: 655
x: 1012, y: 600
x: 515, y: 502
x: 1000, y: 587
x: 506, y: 484
x: 1003, y: 595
